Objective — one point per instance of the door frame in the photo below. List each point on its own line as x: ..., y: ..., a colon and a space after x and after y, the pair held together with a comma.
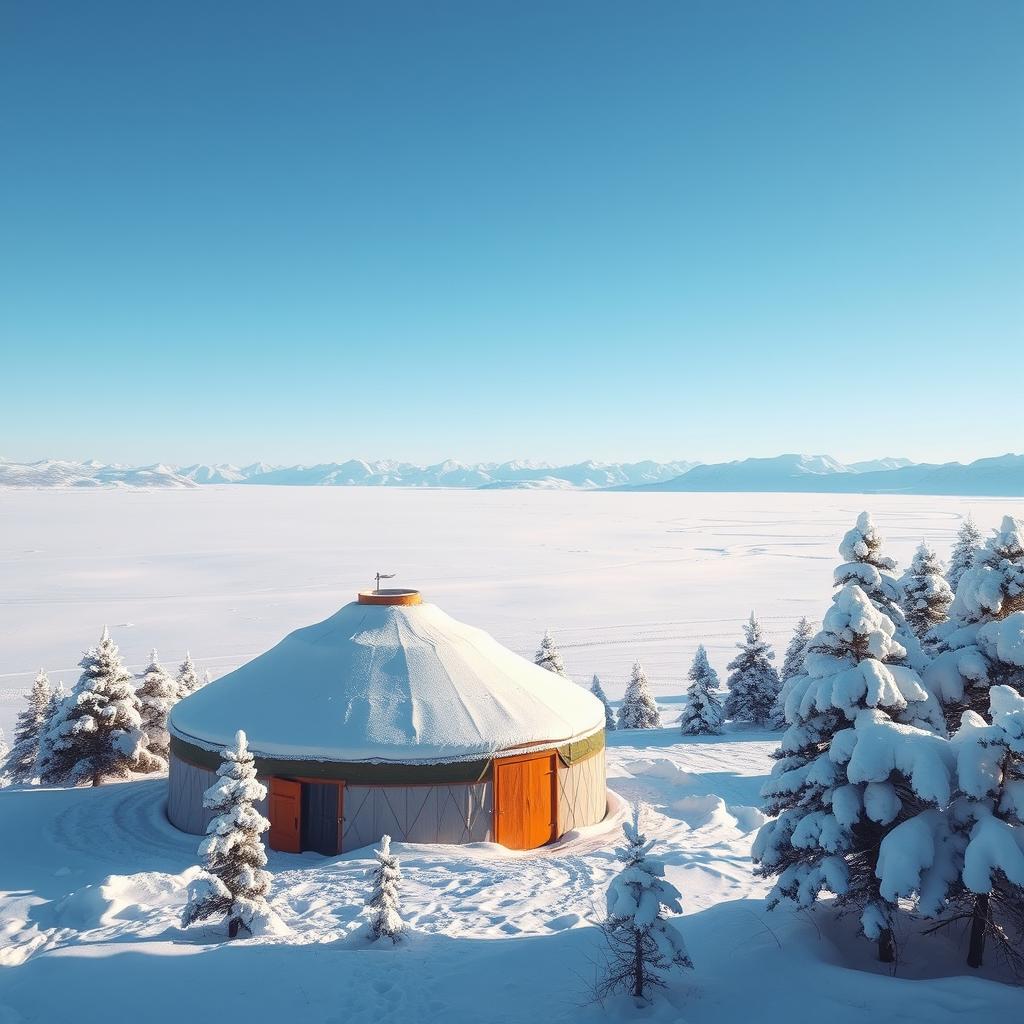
x: 498, y: 763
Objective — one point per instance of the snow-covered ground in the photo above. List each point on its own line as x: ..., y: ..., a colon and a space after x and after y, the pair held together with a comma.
x: 92, y: 881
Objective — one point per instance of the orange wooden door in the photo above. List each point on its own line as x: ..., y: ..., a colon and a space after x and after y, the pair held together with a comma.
x: 525, y: 801
x: 285, y: 812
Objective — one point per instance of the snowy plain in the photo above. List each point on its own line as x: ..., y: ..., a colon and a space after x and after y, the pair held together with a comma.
x: 92, y: 881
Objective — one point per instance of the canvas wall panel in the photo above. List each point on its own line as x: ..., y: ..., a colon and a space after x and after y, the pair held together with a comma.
x: 457, y: 813
x: 582, y: 793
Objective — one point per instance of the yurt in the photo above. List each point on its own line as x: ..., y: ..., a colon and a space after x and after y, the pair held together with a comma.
x: 392, y: 717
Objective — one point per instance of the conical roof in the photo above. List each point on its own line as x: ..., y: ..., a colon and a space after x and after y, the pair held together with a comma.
x: 401, y: 683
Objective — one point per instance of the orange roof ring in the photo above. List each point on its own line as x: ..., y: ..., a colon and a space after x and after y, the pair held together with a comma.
x: 405, y: 597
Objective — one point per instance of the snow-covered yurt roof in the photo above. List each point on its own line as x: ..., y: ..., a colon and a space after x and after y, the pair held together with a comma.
x: 389, y: 682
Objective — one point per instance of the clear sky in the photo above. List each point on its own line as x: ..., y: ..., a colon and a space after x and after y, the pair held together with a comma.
x: 308, y: 231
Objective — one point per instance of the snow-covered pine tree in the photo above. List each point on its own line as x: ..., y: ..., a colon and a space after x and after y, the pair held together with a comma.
x: 793, y: 663
x: 187, y: 679
x: 703, y: 714
x: 96, y: 732
x: 57, y: 697
x: 638, y: 709
x: 970, y: 661
x: 598, y: 691
x: 642, y: 946
x: 236, y: 884
x: 752, y: 681
x: 990, y: 762
x: 981, y: 651
x: 832, y: 803
x: 382, y: 903
x: 864, y: 564
x: 925, y: 596
x: 548, y: 657
x: 966, y: 546
x: 157, y: 695
x: 20, y: 763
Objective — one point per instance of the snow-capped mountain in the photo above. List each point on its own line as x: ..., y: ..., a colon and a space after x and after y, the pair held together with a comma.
x: 878, y: 465
x: 779, y: 473
x: 355, y: 472
x: 998, y: 477
x: 1002, y: 476
x: 450, y: 473
x: 63, y: 473
x: 222, y: 473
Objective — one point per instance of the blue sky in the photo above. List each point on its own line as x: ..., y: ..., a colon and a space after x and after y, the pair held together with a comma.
x: 304, y: 232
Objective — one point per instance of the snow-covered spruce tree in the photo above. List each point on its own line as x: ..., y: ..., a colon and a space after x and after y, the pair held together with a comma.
x: 638, y: 709
x: 187, y: 679
x: 598, y: 691
x: 157, y: 695
x: 966, y: 546
x: 793, y: 662
x: 981, y: 651
x: 971, y: 658
x: 382, y: 903
x: 792, y: 665
x: 642, y: 946
x: 703, y: 713
x: 548, y: 657
x: 20, y: 763
x: 990, y: 761
x: 864, y: 564
x: 832, y: 808
x: 57, y: 697
x: 752, y: 681
x: 236, y: 884
x: 96, y: 731
x: 925, y: 596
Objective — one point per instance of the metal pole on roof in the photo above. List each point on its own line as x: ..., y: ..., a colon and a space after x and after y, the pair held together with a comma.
x: 384, y: 576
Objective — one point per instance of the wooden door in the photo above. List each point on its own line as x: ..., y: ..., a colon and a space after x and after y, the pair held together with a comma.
x: 285, y: 815
x: 320, y: 819
x: 525, y: 801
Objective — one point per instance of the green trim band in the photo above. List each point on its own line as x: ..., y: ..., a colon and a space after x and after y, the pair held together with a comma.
x: 370, y: 773
x: 357, y: 773
x: 572, y: 753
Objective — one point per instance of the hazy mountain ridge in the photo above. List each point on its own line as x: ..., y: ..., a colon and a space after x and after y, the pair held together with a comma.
x: 1002, y: 476
x: 355, y: 472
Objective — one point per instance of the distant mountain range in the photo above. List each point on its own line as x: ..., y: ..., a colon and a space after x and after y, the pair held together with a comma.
x: 355, y: 472
x: 997, y: 477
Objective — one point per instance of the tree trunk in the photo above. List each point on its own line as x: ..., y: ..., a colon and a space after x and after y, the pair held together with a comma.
x: 979, y: 925
x: 886, y: 949
x: 97, y: 779
x: 233, y: 927
x: 638, y: 964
